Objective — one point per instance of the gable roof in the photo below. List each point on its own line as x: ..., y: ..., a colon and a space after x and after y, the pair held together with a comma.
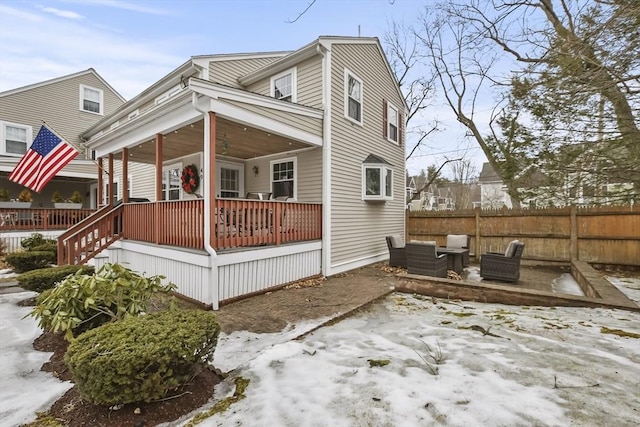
x: 60, y: 79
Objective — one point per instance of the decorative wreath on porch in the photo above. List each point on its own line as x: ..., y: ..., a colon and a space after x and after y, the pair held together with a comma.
x: 190, y: 179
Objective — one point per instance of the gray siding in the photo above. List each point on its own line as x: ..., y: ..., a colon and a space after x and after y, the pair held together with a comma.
x: 58, y: 104
x: 308, y: 179
x: 309, y: 83
x: 358, y: 228
x: 227, y: 72
x: 142, y: 178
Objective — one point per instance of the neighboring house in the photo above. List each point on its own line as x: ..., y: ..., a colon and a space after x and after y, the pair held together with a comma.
x: 69, y: 105
x: 493, y: 192
x: 298, y: 162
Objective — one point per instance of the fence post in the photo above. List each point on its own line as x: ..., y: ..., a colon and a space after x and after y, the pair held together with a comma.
x: 573, y: 245
x: 476, y: 250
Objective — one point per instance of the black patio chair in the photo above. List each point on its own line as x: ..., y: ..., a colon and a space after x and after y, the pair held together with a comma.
x: 397, y: 253
x: 422, y: 259
x: 504, y: 267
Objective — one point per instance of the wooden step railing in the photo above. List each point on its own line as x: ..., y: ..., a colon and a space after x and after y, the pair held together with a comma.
x: 86, y: 239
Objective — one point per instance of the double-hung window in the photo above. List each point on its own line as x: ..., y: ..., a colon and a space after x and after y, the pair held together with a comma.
x: 353, y: 97
x: 283, y: 86
x: 171, y: 188
x: 377, y: 179
x: 91, y: 99
x: 230, y: 182
x: 283, y: 178
x: 392, y: 123
x: 15, y: 138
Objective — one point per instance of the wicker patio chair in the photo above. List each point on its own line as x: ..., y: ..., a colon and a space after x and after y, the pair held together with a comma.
x: 460, y: 241
x: 504, y: 267
x: 397, y: 253
x: 422, y: 259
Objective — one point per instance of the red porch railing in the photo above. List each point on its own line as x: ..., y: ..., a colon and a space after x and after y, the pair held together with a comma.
x: 41, y: 219
x: 86, y: 239
x: 238, y: 223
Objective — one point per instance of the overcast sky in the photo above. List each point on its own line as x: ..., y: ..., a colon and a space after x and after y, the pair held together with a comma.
x: 132, y: 44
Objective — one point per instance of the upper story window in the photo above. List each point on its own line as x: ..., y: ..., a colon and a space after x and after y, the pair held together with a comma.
x: 377, y: 179
x: 392, y: 123
x: 91, y: 99
x: 14, y: 138
x: 353, y: 98
x: 283, y: 86
x: 283, y: 178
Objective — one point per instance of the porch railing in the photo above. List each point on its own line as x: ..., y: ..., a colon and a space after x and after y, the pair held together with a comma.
x: 238, y: 223
x: 41, y: 219
x: 86, y: 239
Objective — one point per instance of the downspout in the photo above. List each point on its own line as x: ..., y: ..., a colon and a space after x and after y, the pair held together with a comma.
x: 326, y: 159
x: 212, y: 272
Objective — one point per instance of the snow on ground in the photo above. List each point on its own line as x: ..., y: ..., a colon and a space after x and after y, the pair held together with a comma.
x: 546, y: 366
x: 25, y: 389
x: 7, y: 273
x: 630, y: 286
x: 566, y: 284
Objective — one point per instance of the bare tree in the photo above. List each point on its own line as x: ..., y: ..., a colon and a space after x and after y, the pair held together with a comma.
x: 465, y: 178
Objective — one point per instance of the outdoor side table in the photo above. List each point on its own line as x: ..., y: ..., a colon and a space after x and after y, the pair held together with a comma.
x: 454, y: 257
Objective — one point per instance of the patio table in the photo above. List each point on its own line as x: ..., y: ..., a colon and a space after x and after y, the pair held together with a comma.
x: 454, y: 257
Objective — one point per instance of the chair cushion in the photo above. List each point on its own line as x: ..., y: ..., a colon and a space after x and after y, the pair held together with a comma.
x: 396, y: 241
x: 424, y: 242
x: 456, y: 240
x: 511, y: 249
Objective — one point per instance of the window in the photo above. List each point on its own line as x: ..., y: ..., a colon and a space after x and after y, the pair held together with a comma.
x: 392, y: 123
x: 91, y: 99
x: 229, y: 182
x: 283, y: 86
x: 353, y: 97
x: 283, y: 178
x: 171, y: 189
x: 116, y: 190
x: 15, y: 138
x: 377, y: 179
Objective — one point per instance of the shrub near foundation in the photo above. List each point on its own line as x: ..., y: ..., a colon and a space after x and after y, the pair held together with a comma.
x: 82, y: 301
x: 46, y: 278
x: 142, y: 358
x: 31, y: 260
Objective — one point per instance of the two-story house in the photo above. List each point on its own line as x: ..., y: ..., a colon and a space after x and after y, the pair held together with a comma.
x: 269, y: 168
x: 69, y: 105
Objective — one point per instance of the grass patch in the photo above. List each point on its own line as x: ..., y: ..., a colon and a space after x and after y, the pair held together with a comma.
x: 460, y: 314
x: 378, y: 362
x: 222, y: 405
x: 619, y: 332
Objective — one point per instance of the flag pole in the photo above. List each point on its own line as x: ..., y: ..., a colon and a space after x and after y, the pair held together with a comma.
x: 82, y: 149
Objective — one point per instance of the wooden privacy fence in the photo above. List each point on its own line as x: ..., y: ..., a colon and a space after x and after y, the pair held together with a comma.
x: 604, y: 235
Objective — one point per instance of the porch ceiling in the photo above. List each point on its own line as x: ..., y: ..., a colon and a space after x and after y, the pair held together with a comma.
x: 233, y: 139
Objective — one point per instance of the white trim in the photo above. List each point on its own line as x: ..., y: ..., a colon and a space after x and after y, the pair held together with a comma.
x: 165, y: 168
x: 216, y: 91
x: 326, y: 162
x: 168, y: 94
x: 255, y: 120
x: 390, y: 107
x: 3, y: 137
x: 289, y: 60
x: 348, y: 74
x: 294, y: 83
x: 264, y: 253
x: 357, y: 263
x: 384, y: 169
x: 135, y: 113
x: 230, y: 165
x: 82, y: 98
x: 295, y: 175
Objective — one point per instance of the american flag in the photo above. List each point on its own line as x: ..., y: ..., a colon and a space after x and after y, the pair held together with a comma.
x: 44, y: 159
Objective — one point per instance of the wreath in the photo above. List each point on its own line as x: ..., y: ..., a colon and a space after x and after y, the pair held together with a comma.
x: 190, y: 179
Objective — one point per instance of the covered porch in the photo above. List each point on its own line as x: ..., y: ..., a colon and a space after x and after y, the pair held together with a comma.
x: 241, y: 145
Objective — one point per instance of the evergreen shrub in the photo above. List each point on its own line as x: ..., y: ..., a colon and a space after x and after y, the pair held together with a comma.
x: 46, y: 278
x: 142, y: 358
x: 31, y: 260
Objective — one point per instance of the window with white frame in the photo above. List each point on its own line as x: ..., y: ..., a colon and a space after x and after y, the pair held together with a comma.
x: 229, y: 179
x: 353, y: 97
x: 116, y: 189
x: 15, y: 138
x: 171, y: 189
x: 377, y: 179
x: 392, y: 123
x: 283, y: 86
x: 283, y: 178
x: 91, y: 99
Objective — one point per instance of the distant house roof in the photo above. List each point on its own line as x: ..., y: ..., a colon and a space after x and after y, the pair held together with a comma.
x: 62, y: 78
x: 488, y: 174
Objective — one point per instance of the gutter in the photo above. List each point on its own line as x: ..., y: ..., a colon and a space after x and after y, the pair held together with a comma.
x: 213, y: 270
